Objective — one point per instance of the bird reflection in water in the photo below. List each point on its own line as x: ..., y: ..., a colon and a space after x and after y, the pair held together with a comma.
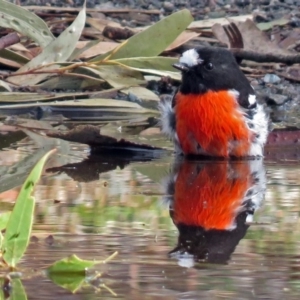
x: 211, y: 204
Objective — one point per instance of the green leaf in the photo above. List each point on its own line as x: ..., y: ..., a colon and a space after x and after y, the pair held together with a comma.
x: 17, y: 291
x: 58, y: 50
x: 119, y: 76
x: 269, y: 25
x: 72, y: 264
x: 13, y: 56
x: 71, y: 282
x: 155, y: 63
x: 19, y: 225
x: 4, y: 217
x: 70, y: 272
x: 153, y: 40
x: 23, y: 21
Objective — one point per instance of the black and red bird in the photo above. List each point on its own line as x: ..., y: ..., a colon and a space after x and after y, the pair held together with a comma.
x: 214, y: 112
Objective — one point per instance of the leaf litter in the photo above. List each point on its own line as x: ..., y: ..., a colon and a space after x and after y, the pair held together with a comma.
x: 84, y: 58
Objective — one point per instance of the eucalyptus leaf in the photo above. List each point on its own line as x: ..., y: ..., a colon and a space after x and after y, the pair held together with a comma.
x: 71, y: 282
x: 153, y: 40
x: 119, y: 76
x: 4, y: 86
x: 156, y: 63
x: 269, y: 25
x: 58, y: 50
x: 13, y: 56
x: 72, y: 264
x: 4, y: 217
x: 23, y: 21
x: 17, y: 291
x: 70, y: 272
x: 19, y: 225
x: 78, y: 51
x: 19, y: 97
x: 69, y: 83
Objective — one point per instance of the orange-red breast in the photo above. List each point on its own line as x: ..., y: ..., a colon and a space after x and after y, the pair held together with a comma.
x: 211, y: 203
x: 214, y: 112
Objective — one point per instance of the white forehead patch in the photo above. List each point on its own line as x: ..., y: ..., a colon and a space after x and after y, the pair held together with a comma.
x: 190, y: 58
x: 252, y: 99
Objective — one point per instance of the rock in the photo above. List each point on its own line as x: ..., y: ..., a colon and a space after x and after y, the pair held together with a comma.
x: 217, y: 14
x: 271, y: 78
x: 276, y: 99
x: 168, y: 6
x: 242, y: 3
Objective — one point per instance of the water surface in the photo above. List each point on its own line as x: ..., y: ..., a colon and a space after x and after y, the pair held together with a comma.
x: 183, y: 230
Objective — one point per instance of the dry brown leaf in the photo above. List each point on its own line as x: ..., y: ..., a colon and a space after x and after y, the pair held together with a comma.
x: 10, y: 63
x: 100, y: 48
x: 182, y: 39
x: 100, y: 24
x: 253, y: 38
x: 292, y: 40
x: 222, y: 21
x: 18, y: 47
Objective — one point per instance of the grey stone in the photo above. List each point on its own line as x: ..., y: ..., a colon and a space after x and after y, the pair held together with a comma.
x: 271, y: 78
x: 168, y: 6
x: 276, y: 99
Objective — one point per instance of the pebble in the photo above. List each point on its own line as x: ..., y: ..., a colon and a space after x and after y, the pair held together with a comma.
x: 168, y: 6
x: 217, y: 14
x: 276, y: 99
x: 271, y: 78
x: 242, y: 3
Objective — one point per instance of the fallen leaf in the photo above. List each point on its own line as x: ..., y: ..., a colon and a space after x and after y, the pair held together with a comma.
x: 153, y: 40
x: 182, y: 39
x: 58, y: 50
x: 269, y: 25
x: 253, y: 38
x: 202, y: 24
x: 119, y: 76
x: 100, y: 24
x: 99, y: 48
x: 23, y: 21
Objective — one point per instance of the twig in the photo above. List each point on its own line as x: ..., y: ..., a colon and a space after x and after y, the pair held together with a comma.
x: 8, y: 40
x: 288, y: 59
x: 105, y: 11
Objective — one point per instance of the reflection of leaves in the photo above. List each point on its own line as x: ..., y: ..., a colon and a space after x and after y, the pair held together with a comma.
x: 20, y: 221
x: 71, y: 282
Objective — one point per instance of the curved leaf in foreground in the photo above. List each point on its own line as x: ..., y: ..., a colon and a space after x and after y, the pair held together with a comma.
x: 19, y: 225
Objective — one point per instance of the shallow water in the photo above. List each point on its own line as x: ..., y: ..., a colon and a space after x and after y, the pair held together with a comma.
x: 183, y: 230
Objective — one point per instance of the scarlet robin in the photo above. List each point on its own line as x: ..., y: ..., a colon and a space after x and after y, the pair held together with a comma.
x: 215, y: 111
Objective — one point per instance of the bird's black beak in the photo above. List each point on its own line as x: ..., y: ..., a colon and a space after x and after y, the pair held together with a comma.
x: 181, y: 67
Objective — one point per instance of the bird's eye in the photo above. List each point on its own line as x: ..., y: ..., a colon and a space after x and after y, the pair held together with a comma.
x: 209, y: 66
